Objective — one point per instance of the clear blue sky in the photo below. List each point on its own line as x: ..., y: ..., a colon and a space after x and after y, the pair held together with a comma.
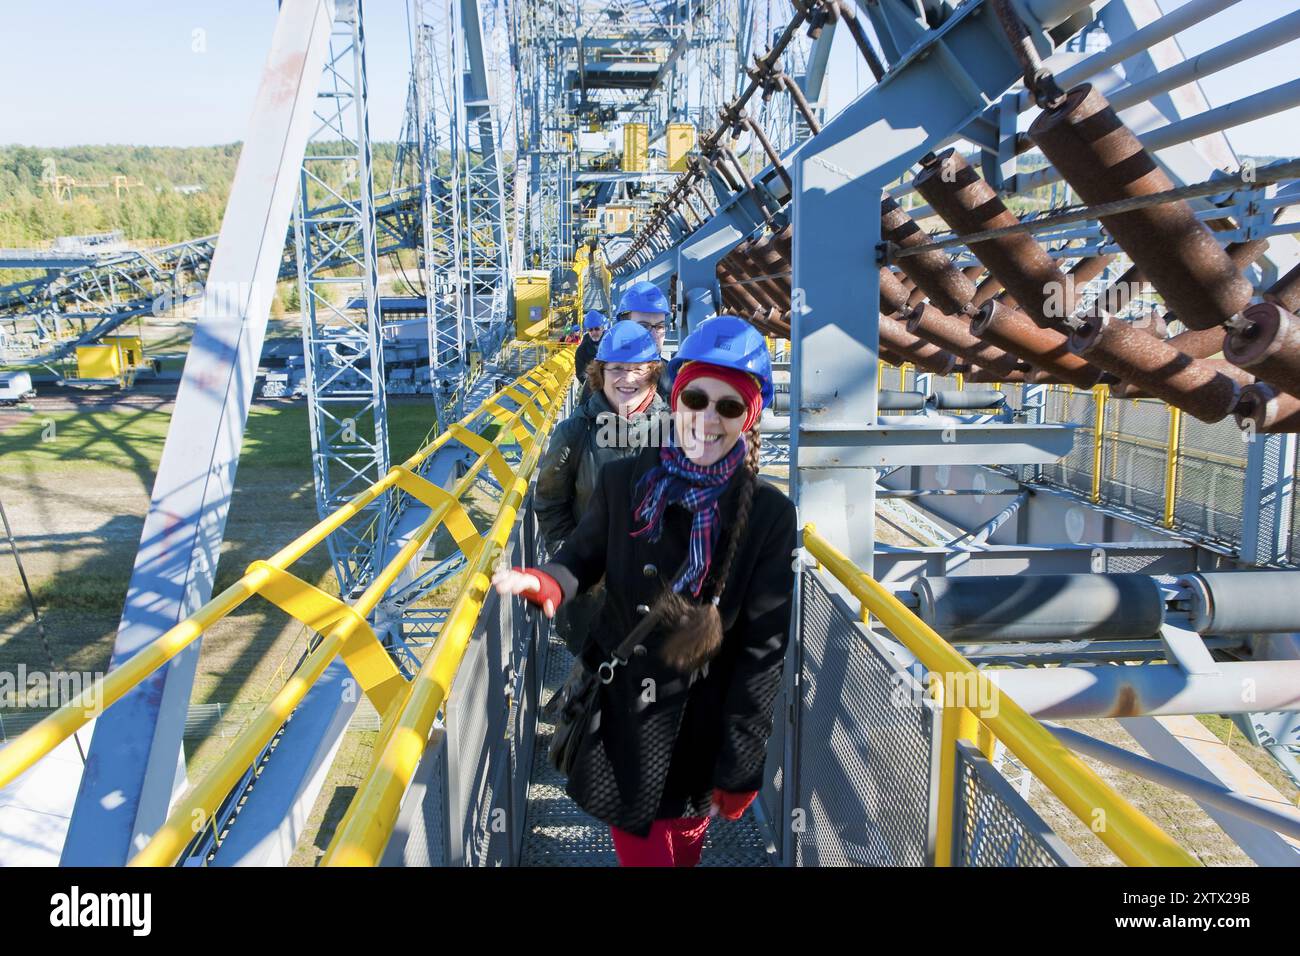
x: 96, y: 71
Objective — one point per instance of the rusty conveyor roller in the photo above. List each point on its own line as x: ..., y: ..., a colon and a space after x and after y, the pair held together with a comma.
x: 1266, y: 409
x: 1268, y: 346
x: 1156, y: 367
x: 919, y: 352
x: 968, y: 204
x: 1203, y: 343
x: 1104, y: 162
x: 1046, y: 349
x: 893, y: 296
x: 1222, y: 366
x: 953, y: 334
x: 1286, y: 291
x: 984, y: 376
x: 946, y: 286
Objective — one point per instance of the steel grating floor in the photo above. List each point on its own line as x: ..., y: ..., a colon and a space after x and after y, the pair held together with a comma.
x: 558, y: 833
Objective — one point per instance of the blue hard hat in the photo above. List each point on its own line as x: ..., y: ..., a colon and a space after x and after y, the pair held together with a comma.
x: 730, y: 342
x: 627, y: 341
x: 593, y: 320
x: 644, y: 297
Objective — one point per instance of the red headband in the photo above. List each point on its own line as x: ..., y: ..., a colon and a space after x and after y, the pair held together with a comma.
x: 744, y: 383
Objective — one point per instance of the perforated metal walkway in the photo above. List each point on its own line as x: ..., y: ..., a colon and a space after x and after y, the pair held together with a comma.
x: 558, y: 833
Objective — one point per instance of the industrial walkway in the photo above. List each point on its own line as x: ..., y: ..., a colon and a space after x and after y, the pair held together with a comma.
x: 558, y: 833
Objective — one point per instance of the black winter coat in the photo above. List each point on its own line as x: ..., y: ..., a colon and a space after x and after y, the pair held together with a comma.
x: 665, y: 740
x: 567, y: 477
x: 587, y: 349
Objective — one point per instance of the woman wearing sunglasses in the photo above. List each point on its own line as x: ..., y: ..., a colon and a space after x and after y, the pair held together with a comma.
x: 689, y: 534
x: 619, y: 417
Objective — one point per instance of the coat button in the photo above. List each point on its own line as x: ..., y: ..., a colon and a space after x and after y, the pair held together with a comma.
x: 649, y: 570
x: 643, y: 609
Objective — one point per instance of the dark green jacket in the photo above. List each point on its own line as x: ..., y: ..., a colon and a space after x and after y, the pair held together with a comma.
x: 574, y: 457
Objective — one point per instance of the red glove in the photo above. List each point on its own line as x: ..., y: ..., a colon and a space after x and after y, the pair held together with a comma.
x: 732, y: 805
x: 549, y: 591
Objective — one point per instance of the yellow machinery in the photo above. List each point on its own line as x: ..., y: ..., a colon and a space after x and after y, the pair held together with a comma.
x: 532, y: 303
x: 100, y: 363
x: 131, y: 348
x: 636, y: 147
x: 618, y: 217
x: 113, y: 361
x: 681, y: 140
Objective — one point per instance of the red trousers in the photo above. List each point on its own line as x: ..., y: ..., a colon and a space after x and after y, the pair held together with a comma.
x: 675, y: 842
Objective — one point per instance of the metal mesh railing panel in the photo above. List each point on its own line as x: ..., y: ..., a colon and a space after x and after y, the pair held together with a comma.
x: 995, y: 826
x: 865, y: 742
x: 1133, y: 456
x: 1211, y: 480
x: 1293, y: 548
x: 1075, y: 469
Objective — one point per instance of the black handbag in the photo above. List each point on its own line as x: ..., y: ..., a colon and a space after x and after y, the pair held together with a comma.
x: 579, y: 696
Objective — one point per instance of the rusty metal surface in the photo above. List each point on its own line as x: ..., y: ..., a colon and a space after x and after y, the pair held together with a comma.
x: 968, y: 204
x: 1200, y: 343
x: 894, y: 334
x: 988, y: 288
x: 1268, y: 346
x: 984, y: 376
x: 1156, y: 367
x: 1266, y: 409
x: 1286, y: 291
x: 893, y: 296
x: 954, y: 335
x: 1045, y: 349
x: 1088, y: 268
x: 1103, y: 161
x: 948, y: 289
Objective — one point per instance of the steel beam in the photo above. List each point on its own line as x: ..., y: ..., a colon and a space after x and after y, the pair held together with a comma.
x: 956, y: 70
x: 343, y: 348
x: 1067, y: 693
x: 1187, y: 745
x: 135, y: 764
x: 848, y: 446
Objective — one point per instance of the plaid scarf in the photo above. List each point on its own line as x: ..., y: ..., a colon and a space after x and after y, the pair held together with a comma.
x: 677, y: 480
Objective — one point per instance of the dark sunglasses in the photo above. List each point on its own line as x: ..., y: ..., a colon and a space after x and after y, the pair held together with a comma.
x: 698, y: 401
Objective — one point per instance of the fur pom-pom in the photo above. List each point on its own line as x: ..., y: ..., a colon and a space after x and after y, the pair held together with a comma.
x: 694, y: 632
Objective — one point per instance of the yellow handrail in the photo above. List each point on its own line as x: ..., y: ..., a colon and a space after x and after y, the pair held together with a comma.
x: 1133, y: 837
x: 372, y: 815
x: 23, y: 752
x: 195, y: 810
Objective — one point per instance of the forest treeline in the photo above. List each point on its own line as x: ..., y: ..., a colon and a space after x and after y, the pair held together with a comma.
x: 182, y: 191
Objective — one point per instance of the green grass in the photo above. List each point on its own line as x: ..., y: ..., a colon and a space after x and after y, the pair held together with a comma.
x: 86, y: 450
x: 275, y: 437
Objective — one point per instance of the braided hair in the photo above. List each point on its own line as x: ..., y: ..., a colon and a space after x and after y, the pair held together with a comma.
x: 695, y: 630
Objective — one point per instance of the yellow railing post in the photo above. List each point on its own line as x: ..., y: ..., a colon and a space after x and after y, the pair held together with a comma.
x: 1171, y: 463
x: 945, y: 837
x: 1099, y: 395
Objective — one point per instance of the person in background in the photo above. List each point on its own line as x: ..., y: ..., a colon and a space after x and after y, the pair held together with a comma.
x: 615, y: 420
x: 686, y: 532
x: 645, y: 305
x: 593, y: 324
